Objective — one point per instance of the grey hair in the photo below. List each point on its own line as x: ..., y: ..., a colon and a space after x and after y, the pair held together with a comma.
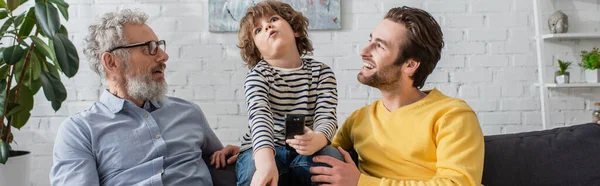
x: 107, y: 33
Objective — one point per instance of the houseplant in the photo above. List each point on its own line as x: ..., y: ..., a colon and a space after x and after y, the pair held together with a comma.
x: 590, y: 61
x: 562, y: 76
x: 35, y: 49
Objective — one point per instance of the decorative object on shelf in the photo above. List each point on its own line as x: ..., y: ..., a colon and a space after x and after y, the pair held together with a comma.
x: 562, y: 76
x: 596, y: 114
x: 558, y: 22
x: 590, y: 61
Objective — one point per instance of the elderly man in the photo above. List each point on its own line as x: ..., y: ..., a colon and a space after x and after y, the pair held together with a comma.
x: 134, y: 135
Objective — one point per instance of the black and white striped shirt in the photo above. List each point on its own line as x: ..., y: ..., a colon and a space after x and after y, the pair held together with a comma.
x: 272, y: 92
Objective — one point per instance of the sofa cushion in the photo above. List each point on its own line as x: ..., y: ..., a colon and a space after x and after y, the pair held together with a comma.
x: 561, y: 156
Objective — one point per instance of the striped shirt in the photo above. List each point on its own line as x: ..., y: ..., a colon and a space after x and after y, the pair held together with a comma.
x: 272, y: 92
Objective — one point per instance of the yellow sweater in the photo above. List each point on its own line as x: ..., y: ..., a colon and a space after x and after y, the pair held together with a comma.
x: 434, y: 141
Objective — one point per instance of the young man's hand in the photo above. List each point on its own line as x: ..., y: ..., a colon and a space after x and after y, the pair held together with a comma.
x: 219, y: 158
x: 340, y: 173
x: 308, y: 143
x: 266, y: 169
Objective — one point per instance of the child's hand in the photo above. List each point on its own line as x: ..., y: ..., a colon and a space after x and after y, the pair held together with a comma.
x: 266, y: 169
x: 309, y: 143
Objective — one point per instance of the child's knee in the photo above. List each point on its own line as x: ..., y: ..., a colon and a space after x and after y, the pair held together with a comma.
x: 330, y: 151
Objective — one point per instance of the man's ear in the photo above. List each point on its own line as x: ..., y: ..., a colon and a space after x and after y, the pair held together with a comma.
x: 110, y: 62
x: 411, y: 67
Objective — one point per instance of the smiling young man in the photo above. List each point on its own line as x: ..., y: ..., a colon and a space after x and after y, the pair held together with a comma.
x: 135, y: 134
x: 410, y: 136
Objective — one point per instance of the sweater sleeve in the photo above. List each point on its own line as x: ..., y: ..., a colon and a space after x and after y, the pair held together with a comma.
x: 256, y: 91
x: 326, y: 104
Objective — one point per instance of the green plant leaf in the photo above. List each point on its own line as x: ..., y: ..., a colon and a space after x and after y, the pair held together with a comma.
x: 13, y: 4
x: 4, y: 152
x: 25, y: 97
x: 19, y: 19
x: 35, y: 86
x: 63, y: 30
x: 3, y: 4
x: 43, y: 48
x: 14, y: 110
x: 3, y: 85
x: 35, y: 67
x: 28, y: 24
x: 63, y: 7
x: 3, y: 14
x: 13, y: 54
x: 47, y: 18
x: 66, y: 54
x: 54, y: 90
x: 6, y: 25
x: 19, y: 114
x: 20, y: 119
x: 4, y: 72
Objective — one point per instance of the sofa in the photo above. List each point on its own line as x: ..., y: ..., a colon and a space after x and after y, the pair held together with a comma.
x: 568, y: 156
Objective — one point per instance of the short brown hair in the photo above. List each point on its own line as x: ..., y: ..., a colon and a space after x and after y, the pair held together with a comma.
x: 297, y: 21
x: 424, y: 40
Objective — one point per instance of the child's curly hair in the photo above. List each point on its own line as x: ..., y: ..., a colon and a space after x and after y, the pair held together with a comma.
x: 297, y: 21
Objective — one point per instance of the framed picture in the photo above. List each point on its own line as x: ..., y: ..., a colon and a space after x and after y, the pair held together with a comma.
x: 224, y: 15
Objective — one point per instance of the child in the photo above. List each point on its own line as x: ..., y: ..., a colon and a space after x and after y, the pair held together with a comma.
x: 272, y: 38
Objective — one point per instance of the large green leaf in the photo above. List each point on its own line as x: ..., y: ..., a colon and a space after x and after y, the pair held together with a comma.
x: 53, y: 89
x: 20, y: 119
x: 43, y: 48
x: 13, y: 4
x: 4, y: 71
x: 20, y: 113
x: 35, y: 86
x: 19, y: 19
x: 6, y: 25
x: 3, y: 14
x: 63, y: 30
x: 28, y: 23
x: 3, y: 85
x: 4, y: 152
x: 13, y: 54
x: 47, y: 18
x: 63, y: 7
x: 16, y: 109
x: 66, y: 54
x: 3, y: 4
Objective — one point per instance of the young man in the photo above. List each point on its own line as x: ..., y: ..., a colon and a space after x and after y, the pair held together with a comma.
x: 134, y: 135
x: 409, y: 137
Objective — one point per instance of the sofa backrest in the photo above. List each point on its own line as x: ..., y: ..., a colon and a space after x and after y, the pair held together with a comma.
x: 561, y: 156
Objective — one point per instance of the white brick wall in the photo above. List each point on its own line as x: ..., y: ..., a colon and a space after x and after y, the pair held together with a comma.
x: 489, y: 61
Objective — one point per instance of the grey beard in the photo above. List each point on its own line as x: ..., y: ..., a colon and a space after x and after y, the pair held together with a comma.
x: 143, y: 87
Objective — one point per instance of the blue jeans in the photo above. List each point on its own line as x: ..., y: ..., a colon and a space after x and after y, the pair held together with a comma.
x: 293, y: 168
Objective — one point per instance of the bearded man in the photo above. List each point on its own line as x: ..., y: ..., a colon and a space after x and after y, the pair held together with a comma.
x: 135, y: 134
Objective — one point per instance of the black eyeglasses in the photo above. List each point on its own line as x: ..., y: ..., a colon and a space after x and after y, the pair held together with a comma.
x: 152, y: 46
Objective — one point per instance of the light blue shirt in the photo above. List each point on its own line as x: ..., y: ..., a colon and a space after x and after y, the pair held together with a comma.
x: 115, y: 143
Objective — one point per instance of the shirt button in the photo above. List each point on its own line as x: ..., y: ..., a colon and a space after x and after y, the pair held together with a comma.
x: 160, y: 172
x: 145, y: 115
x: 157, y: 137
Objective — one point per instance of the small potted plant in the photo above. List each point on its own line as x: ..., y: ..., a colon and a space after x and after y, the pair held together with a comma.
x: 562, y: 76
x: 590, y: 61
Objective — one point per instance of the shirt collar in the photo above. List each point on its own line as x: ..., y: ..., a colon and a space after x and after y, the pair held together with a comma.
x: 116, y: 104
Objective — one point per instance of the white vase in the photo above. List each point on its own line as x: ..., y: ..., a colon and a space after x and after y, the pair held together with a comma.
x: 592, y: 76
x: 16, y: 171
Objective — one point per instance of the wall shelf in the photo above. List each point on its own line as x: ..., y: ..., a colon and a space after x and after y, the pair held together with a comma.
x: 571, y: 85
x: 541, y: 38
x: 591, y: 35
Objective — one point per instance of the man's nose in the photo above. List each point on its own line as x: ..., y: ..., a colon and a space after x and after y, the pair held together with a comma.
x: 162, y: 56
